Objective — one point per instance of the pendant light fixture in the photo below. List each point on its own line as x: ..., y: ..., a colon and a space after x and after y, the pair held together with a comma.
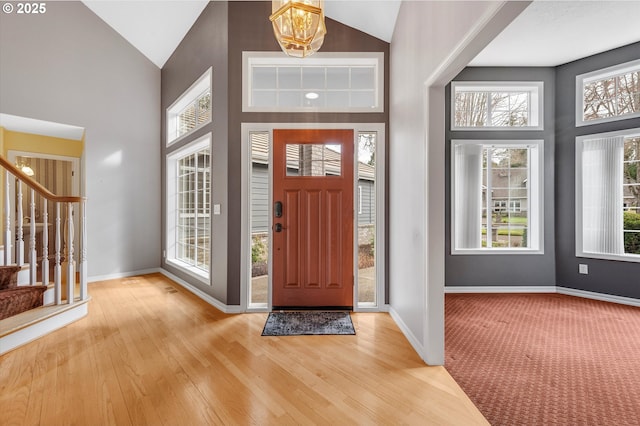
x: 298, y: 26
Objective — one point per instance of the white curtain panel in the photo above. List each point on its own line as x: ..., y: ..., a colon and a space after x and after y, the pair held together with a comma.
x: 602, y: 196
x: 468, y: 196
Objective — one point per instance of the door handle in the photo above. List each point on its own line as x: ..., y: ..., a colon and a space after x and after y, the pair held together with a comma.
x: 278, y: 227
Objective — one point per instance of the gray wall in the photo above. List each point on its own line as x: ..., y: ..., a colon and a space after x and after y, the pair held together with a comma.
x: 609, y: 277
x: 259, y: 198
x: 367, y: 214
x: 506, y: 269
x: 68, y: 66
x: 204, y: 46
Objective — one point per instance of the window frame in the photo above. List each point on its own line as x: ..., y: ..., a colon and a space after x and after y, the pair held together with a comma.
x: 171, y: 207
x: 535, y: 196
x: 579, y: 145
x: 601, y: 74
x: 536, y: 102
x: 189, y: 96
x: 320, y: 59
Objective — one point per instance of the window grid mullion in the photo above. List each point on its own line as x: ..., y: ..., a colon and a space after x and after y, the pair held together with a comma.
x: 489, y: 200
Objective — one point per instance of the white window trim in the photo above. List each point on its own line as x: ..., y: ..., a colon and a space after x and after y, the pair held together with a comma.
x: 601, y: 74
x: 578, y: 190
x: 191, y: 94
x: 375, y: 59
x: 536, y: 107
x: 536, y: 195
x: 171, y: 207
x: 359, y: 199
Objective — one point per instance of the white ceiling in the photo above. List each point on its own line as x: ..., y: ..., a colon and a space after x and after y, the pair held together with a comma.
x: 155, y: 28
x: 550, y: 33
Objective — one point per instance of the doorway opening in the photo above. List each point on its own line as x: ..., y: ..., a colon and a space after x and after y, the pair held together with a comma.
x: 368, y: 214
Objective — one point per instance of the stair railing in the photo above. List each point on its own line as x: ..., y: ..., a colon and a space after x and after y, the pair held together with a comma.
x: 64, y: 266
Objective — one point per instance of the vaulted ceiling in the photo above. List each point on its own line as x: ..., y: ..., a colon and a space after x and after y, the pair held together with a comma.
x: 547, y: 33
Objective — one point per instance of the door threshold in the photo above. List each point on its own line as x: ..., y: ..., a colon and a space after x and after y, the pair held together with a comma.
x: 312, y: 308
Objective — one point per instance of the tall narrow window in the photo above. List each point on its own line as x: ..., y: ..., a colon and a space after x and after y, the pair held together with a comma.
x: 259, y: 194
x: 367, y: 291
x: 496, y: 196
x: 189, y: 207
x: 194, y: 222
x: 608, y: 195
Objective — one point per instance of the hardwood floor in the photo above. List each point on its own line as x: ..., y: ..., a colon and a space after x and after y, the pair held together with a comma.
x: 151, y: 353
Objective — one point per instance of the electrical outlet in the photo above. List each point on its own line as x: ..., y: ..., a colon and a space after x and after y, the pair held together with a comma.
x: 583, y: 269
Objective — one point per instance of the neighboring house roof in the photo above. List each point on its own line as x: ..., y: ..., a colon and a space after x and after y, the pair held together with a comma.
x: 508, y: 185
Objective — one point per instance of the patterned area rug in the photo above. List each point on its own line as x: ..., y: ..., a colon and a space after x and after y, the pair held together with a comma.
x: 545, y: 359
x: 308, y: 323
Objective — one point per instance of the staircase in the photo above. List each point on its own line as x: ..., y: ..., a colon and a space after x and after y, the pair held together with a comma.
x: 41, y: 238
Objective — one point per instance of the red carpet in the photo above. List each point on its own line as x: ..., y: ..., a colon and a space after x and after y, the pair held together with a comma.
x: 545, y: 359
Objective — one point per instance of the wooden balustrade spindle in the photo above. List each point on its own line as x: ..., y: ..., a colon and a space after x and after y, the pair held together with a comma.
x: 20, y: 223
x: 33, y: 256
x: 83, y: 250
x: 70, y: 263
x: 45, y: 243
x: 57, y: 270
x: 7, y: 220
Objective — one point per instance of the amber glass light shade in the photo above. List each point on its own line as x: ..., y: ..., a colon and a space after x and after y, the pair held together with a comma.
x: 298, y: 26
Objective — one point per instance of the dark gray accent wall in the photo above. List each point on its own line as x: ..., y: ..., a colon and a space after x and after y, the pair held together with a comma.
x: 506, y: 269
x: 204, y: 47
x: 605, y: 276
x: 222, y: 32
x: 251, y: 30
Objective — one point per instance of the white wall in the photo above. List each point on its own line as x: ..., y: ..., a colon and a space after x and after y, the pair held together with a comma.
x: 432, y: 42
x: 68, y: 66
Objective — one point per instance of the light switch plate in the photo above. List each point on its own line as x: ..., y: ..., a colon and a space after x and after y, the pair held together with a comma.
x: 583, y: 269
x: 216, y: 209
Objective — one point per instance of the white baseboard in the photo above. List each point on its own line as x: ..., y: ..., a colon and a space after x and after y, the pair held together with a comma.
x: 227, y: 309
x: 417, y: 346
x: 598, y: 296
x: 39, y: 329
x: 115, y: 276
x: 500, y: 289
x: 545, y: 289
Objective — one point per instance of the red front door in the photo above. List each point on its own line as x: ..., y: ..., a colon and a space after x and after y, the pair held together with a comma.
x: 313, y: 218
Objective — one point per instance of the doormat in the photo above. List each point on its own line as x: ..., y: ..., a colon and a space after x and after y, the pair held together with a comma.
x: 308, y: 323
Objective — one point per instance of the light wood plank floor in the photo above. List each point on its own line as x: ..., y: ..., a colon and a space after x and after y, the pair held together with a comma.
x: 151, y: 353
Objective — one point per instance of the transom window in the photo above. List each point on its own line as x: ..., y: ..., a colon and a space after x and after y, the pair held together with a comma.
x: 608, y: 195
x: 496, y: 196
x: 195, y: 114
x: 609, y: 94
x: 325, y: 82
x: 496, y: 105
x: 191, y: 110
